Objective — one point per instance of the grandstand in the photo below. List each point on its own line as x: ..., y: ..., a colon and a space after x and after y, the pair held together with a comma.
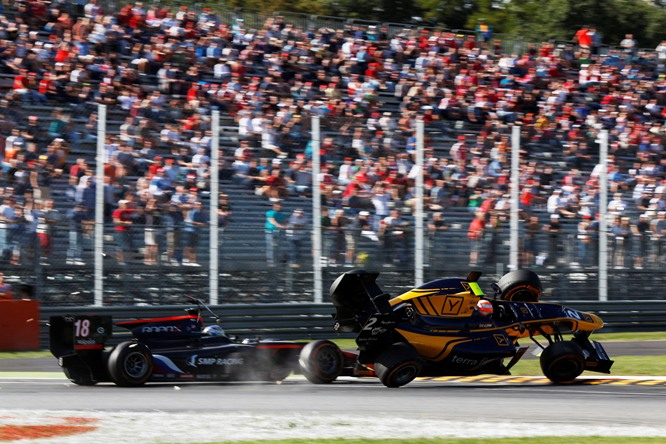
x: 548, y: 144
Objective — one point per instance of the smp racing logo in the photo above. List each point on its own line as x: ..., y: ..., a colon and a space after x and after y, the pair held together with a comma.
x: 160, y: 329
x: 196, y: 361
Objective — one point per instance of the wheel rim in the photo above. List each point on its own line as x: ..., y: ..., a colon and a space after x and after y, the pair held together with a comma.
x: 566, y: 369
x: 404, y: 374
x: 327, y: 361
x: 136, y: 365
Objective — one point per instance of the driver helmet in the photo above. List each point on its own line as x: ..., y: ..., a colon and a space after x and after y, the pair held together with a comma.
x: 484, y: 307
x: 213, y: 330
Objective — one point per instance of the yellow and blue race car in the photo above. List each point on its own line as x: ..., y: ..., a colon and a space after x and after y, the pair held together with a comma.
x: 449, y: 327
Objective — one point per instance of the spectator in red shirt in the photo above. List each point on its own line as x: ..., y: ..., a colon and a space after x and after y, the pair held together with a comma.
x: 475, y: 235
x: 122, y: 219
x: 583, y: 37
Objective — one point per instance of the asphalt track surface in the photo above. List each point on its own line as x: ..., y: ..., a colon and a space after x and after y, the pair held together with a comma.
x: 481, y: 407
x: 356, y: 408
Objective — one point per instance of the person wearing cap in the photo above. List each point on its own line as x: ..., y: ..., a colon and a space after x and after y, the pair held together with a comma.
x: 296, y: 234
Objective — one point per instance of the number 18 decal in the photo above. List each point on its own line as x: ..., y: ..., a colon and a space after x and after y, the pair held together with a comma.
x: 82, y: 328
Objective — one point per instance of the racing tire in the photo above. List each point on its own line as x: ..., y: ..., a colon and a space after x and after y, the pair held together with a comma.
x: 562, y: 362
x: 398, y: 365
x: 520, y: 286
x: 321, y: 362
x: 130, y: 364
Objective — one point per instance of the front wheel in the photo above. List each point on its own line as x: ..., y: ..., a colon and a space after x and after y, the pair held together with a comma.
x: 130, y: 364
x: 321, y: 362
x: 562, y: 362
x: 398, y: 365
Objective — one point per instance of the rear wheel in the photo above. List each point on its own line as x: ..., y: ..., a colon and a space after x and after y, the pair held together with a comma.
x: 321, y: 362
x: 398, y: 365
x: 520, y: 286
x: 562, y: 362
x: 130, y: 364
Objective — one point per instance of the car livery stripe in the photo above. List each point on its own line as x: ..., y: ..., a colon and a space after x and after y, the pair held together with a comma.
x: 165, y: 319
x: 415, y: 338
x: 434, y: 310
x: 414, y: 295
x: 511, y: 329
x: 423, y: 310
x: 165, y: 365
x: 89, y: 347
x: 447, y: 350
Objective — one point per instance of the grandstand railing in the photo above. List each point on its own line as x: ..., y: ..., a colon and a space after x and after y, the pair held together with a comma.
x: 245, y: 276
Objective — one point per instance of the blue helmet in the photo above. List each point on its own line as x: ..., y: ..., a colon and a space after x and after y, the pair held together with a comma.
x: 213, y: 330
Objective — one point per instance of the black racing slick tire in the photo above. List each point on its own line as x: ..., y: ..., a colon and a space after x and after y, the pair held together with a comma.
x: 398, y: 365
x: 130, y: 364
x: 321, y: 362
x: 520, y: 286
x: 562, y: 362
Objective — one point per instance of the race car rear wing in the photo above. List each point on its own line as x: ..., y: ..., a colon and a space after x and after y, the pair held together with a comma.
x: 355, y: 296
x: 69, y: 335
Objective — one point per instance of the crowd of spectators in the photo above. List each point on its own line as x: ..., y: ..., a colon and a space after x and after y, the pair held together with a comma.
x: 165, y: 70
